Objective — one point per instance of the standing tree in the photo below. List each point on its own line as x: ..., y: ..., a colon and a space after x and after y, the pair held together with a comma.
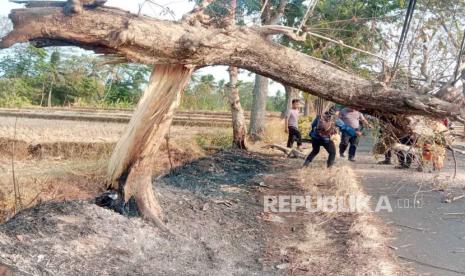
x: 177, y: 48
x: 238, y: 118
x: 271, y: 14
x: 54, y: 74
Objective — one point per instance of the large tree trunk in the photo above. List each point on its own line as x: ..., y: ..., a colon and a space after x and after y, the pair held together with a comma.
x: 258, y: 112
x: 152, y: 41
x: 131, y: 165
x: 238, y: 118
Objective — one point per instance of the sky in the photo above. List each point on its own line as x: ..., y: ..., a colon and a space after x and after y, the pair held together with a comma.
x: 178, y: 8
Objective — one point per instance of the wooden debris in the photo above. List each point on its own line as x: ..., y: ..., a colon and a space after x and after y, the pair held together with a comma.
x: 291, y: 153
x: 410, y: 227
x: 452, y: 199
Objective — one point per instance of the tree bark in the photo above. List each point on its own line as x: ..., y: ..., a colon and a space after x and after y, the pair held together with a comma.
x: 258, y: 112
x: 238, y: 118
x: 131, y: 164
x: 308, y: 106
x: 152, y: 41
x: 49, y: 100
x: 237, y: 113
x: 261, y: 85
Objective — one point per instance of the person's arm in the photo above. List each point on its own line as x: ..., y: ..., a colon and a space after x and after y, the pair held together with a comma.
x: 365, y: 121
x: 347, y: 129
x: 315, y: 122
x: 313, y: 126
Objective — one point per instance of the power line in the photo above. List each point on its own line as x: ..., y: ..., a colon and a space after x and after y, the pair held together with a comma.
x: 459, y: 58
x: 405, y: 29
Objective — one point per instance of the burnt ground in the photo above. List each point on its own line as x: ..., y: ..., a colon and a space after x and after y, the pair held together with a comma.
x: 214, y: 209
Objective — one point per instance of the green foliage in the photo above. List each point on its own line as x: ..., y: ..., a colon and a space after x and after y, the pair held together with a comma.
x: 221, y: 139
x: 29, y: 75
x: 355, y: 22
x: 205, y: 93
x: 277, y: 102
x: 305, y: 123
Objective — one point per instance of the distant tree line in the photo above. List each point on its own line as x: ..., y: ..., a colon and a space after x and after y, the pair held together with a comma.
x: 206, y: 93
x: 65, y: 77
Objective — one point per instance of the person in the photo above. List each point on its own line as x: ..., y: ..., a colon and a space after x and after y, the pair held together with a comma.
x: 352, y: 118
x: 292, y: 125
x: 323, y: 127
x: 387, y: 158
x: 406, y: 157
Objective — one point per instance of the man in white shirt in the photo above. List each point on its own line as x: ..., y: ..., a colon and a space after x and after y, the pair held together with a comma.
x: 292, y: 125
x: 352, y: 118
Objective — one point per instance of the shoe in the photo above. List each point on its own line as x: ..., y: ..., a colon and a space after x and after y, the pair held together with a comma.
x: 385, y: 162
x: 352, y: 159
x: 306, y: 163
x: 342, y: 155
x: 402, y: 167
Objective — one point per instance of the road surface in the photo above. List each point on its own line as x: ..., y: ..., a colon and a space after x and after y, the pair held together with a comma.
x: 428, y: 233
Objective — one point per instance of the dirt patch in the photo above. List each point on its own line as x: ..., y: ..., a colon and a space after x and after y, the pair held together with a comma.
x: 214, y: 207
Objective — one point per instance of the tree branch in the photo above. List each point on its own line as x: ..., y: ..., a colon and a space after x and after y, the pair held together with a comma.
x: 279, y: 12
x: 151, y: 41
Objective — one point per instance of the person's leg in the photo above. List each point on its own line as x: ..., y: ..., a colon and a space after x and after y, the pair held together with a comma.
x: 405, y: 158
x: 353, y: 147
x: 401, y: 157
x: 408, y: 159
x: 387, y: 158
x: 315, y: 150
x: 344, y: 143
x: 290, y: 139
x: 298, y: 138
x: 330, y: 147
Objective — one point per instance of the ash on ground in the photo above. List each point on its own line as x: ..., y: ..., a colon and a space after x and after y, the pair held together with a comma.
x: 209, y: 206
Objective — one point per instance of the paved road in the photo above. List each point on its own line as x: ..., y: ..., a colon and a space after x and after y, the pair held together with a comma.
x: 425, y: 229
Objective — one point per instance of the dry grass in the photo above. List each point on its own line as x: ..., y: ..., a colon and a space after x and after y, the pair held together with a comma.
x: 354, y: 242
x: 71, y: 160
x: 48, y: 180
x: 49, y: 131
x: 274, y: 132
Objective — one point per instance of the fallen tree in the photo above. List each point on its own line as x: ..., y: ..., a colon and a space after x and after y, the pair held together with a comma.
x: 177, y: 48
x: 152, y: 41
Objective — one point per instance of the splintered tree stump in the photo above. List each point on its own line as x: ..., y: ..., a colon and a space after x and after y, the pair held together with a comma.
x: 131, y: 164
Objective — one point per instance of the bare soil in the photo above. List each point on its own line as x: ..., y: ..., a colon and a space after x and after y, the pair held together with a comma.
x: 214, y: 209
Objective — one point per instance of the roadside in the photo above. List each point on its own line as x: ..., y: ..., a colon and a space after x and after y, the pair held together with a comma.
x: 215, y: 210
x: 429, y: 233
